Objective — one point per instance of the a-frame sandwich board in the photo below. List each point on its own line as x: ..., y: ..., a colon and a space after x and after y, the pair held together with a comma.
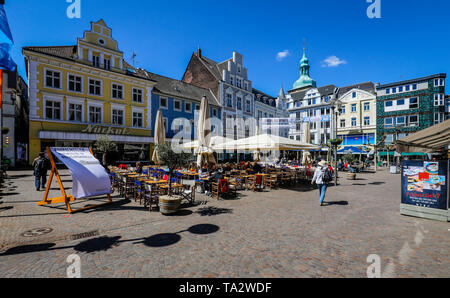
x: 64, y: 198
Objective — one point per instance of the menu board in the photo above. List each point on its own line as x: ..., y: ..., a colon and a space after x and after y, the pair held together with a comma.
x: 425, y: 184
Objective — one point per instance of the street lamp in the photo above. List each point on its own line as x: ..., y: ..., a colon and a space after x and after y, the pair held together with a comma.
x: 336, y: 107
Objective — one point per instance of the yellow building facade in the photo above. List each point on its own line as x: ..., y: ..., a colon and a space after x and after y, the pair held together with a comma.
x: 81, y: 92
x: 357, y: 123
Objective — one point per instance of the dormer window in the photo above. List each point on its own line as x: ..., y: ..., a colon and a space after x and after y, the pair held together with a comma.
x: 96, y: 61
x: 107, y: 64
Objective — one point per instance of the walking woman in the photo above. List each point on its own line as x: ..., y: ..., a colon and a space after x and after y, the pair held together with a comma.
x: 322, y: 176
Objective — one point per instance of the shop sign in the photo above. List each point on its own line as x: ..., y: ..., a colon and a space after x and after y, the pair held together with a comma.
x: 97, y: 129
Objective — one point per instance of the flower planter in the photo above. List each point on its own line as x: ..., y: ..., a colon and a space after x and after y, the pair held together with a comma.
x: 169, y: 205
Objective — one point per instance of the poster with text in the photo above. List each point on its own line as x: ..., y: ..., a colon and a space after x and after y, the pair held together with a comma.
x: 89, y: 176
x: 425, y: 184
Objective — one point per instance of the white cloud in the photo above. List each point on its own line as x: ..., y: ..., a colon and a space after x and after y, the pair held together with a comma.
x: 282, y: 55
x: 333, y: 61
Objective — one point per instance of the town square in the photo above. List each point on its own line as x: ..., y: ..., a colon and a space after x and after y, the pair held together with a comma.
x: 189, y: 142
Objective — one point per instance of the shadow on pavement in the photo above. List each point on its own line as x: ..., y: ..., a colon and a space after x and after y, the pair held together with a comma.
x: 97, y: 244
x: 28, y: 248
x: 105, y: 243
x: 161, y: 240
x: 340, y: 203
x: 6, y: 208
x: 211, y: 211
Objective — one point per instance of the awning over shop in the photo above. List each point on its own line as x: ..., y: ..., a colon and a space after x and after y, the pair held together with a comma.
x: 431, y: 139
x: 76, y: 136
x: 351, y: 150
x: 392, y: 153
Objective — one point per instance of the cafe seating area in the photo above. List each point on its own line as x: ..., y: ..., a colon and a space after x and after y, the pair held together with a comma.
x: 146, y: 188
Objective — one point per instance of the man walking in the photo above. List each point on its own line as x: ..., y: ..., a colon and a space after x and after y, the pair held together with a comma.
x: 40, y: 165
x: 322, y: 176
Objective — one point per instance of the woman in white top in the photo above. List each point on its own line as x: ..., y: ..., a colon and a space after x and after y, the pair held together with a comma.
x: 318, y: 178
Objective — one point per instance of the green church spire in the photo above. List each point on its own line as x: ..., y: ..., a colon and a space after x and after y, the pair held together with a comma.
x: 304, y: 80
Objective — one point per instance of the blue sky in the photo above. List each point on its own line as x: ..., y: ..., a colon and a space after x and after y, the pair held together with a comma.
x: 411, y: 39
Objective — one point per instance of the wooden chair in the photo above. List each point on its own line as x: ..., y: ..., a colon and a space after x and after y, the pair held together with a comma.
x: 138, y: 191
x: 151, y: 196
x: 271, y: 181
x: 255, y: 183
x: 223, y: 188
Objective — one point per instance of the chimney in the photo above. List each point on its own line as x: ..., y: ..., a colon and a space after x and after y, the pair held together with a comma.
x: 199, y: 52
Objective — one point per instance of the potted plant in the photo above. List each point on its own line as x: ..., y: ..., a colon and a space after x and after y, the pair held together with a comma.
x: 168, y: 157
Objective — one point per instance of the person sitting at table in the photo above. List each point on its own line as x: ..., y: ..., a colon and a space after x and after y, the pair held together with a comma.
x: 193, y: 167
x: 227, y: 167
x: 257, y: 168
x: 216, y: 176
x: 139, y: 167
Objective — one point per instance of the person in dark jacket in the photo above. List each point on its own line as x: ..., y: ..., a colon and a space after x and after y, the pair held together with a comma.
x: 40, y: 165
x: 139, y: 167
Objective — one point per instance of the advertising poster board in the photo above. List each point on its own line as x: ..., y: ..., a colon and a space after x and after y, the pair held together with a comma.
x: 90, y: 179
x: 425, y: 186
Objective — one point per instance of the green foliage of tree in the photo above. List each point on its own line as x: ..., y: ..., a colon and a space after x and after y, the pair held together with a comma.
x: 172, y: 159
x: 105, y: 145
x: 349, y: 158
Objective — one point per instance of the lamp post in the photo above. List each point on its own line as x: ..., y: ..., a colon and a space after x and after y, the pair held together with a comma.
x: 336, y: 106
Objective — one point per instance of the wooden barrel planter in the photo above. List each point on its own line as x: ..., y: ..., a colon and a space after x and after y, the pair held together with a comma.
x: 351, y: 176
x: 169, y: 205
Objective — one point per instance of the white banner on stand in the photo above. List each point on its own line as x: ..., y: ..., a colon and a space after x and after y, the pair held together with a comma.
x: 90, y: 178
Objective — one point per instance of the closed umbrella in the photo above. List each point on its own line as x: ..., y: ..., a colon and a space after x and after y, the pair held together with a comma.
x: 160, y: 135
x: 204, y: 151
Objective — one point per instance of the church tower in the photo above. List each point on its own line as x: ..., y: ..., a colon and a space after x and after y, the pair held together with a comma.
x: 304, y: 80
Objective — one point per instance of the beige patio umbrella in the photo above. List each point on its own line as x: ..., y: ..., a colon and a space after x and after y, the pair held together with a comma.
x: 204, y: 151
x: 257, y: 153
x: 307, y: 157
x: 160, y: 135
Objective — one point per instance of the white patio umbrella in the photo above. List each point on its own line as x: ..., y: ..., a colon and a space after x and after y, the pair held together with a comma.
x: 204, y: 151
x: 266, y: 142
x: 160, y: 135
x: 216, y: 140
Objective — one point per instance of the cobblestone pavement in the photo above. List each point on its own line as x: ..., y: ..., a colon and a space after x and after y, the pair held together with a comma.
x: 281, y: 233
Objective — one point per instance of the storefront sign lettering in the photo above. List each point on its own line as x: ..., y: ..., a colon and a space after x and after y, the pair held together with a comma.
x: 106, y: 130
